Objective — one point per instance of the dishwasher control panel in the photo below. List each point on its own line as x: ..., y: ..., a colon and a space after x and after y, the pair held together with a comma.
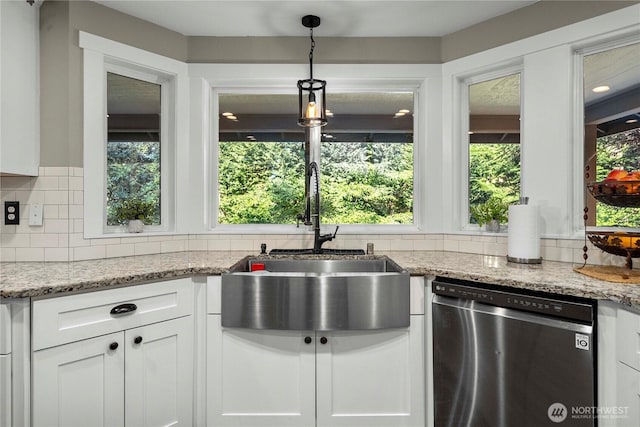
x: 552, y: 305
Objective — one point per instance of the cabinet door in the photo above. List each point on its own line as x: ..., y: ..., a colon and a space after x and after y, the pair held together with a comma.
x: 259, y: 378
x: 5, y: 389
x: 19, y: 85
x: 79, y: 384
x: 628, y: 396
x: 373, y: 378
x: 159, y: 374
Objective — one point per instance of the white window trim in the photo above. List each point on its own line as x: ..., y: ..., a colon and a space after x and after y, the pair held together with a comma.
x: 463, y: 83
x: 102, y: 55
x: 208, y: 79
x: 588, y: 47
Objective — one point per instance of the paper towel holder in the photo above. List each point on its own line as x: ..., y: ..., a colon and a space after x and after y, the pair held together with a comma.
x: 524, y: 201
x: 525, y: 260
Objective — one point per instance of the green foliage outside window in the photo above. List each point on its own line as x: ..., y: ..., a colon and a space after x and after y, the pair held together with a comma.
x: 620, y: 150
x: 133, y: 177
x: 361, y: 183
x: 494, y: 173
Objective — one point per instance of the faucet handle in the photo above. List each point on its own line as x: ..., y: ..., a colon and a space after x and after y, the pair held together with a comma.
x: 335, y: 232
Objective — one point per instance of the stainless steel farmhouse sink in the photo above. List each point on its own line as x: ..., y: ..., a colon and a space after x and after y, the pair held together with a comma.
x: 315, y: 294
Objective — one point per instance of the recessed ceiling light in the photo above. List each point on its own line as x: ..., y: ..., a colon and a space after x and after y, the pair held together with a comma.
x: 404, y: 111
x: 227, y: 114
x: 399, y: 114
x: 231, y: 117
x: 328, y: 136
x: 600, y: 89
x: 632, y: 121
x: 470, y: 132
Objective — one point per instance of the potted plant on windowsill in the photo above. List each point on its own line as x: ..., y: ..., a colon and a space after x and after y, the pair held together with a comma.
x: 134, y: 214
x: 491, y: 213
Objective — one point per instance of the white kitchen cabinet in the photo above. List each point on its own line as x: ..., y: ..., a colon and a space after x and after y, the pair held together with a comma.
x: 5, y: 365
x: 259, y: 378
x: 158, y: 373
x: 618, y: 365
x: 628, y: 400
x: 19, y: 88
x: 137, y: 369
x: 371, y: 378
x: 140, y: 377
x: 80, y: 384
x: 297, y: 378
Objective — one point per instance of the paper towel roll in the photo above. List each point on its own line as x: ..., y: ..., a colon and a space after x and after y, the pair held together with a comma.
x: 523, y: 241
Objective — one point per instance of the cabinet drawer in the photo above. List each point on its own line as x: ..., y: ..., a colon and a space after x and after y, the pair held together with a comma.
x: 71, y: 318
x: 5, y: 329
x: 628, y: 338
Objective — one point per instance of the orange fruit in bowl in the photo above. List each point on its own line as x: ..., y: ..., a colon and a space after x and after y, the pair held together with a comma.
x: 616, y: 175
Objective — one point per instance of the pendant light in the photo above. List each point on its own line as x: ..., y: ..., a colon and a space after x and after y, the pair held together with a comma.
x: 311, y: 92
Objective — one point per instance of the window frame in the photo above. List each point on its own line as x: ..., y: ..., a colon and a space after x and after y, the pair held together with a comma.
x: 210, y: 79
x: 101, y: 56
x: 580, y: 50
x: 463, y: 84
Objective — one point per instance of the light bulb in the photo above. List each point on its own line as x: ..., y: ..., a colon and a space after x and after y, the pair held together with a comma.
x: 312, y: 110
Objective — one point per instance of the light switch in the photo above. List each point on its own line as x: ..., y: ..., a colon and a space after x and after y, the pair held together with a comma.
x: 35, y: 214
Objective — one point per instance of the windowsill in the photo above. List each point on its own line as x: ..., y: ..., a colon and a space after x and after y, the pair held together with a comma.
x: 349, y: 229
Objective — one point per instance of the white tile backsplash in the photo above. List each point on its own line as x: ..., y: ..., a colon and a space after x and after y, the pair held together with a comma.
x: 60, y: 190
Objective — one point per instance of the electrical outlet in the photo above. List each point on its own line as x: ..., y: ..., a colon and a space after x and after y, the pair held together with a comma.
x: 11, y: 213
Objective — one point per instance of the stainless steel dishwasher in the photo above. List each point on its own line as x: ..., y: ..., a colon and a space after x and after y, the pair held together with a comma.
x: 504, y: 359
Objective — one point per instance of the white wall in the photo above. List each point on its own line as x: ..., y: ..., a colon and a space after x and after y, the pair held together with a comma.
x: 551, y: 135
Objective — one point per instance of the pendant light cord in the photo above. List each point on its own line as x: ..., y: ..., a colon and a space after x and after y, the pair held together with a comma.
x: 313, y: 45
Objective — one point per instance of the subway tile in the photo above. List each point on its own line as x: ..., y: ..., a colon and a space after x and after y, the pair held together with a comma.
x: 63, y: 240
x: 8, y: 196
x: 78, y: 225
x: 400, y: 245
x: 173, y: 246
x: 76, y: 183
x: 44, y: 240
x: 76, y: 211
x: 88, y: 252
x: 78, y: 197
x: 63, y: 183
x: 106, y: 241
x: 29, y: 254
x: 451, y: 245
x: 218, y: 245
x: 50, y: 211
x: 46, y: 183
x: 197, y: 245
x: 14, y: 240
x: 59, y: 197
x: 54, y: 171
x: 114, y: 251
x: 77, y: 240
x: 56, y: 254
x: 56, y: 225
x: 28, y: 197
x: 147, y: 248
x: 7, y: 254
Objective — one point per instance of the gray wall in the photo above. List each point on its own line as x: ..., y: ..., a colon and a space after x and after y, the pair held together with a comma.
x: 61, y: 58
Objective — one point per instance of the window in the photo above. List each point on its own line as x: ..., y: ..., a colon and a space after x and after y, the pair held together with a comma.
x: 135, y: 129
x: 494, y: 141
x: 612, y: 127
x: 366, y: 159
x: 134, y: 173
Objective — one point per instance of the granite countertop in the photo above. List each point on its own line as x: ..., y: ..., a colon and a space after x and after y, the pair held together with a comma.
x: 32, y: 279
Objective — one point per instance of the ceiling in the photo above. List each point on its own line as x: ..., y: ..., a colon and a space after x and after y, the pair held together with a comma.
x: 344, y: 18
x: 619, y: 68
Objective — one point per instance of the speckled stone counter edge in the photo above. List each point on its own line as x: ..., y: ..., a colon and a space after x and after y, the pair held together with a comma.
x: 27, y: 279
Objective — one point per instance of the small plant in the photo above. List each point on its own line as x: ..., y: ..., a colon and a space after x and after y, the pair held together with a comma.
x: 493, y: 209
x: 132, y: 209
